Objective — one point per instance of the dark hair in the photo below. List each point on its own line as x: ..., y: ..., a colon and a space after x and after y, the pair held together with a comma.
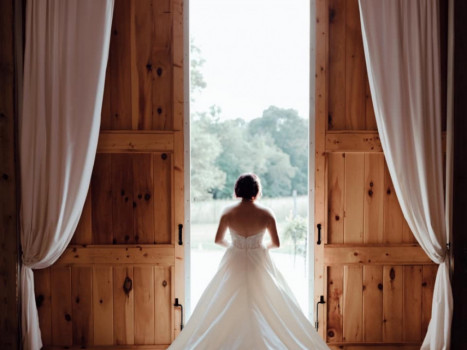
x: 247, y: 186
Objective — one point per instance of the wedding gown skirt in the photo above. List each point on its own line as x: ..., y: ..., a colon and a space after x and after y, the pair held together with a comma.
x: 248, y: 306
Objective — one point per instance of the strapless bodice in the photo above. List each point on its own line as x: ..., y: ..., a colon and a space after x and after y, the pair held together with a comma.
x: 250, y: 242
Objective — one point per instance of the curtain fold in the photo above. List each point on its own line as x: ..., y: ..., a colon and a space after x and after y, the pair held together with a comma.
x: 66, y: 51
x: 402, y: 50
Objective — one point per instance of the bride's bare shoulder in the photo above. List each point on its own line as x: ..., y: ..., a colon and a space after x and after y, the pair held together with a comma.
x: 265, y: 210
x: 228, y: 209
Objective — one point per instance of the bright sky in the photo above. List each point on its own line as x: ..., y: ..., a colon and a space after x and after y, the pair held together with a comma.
x: 256, y: 52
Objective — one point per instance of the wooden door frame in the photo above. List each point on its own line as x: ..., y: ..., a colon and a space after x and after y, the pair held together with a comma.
x: 311, y: 165
x: 187, y: 152
x: 320, y: 115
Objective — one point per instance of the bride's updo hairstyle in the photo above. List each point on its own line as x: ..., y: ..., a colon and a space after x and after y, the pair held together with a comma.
x: 248, y: 186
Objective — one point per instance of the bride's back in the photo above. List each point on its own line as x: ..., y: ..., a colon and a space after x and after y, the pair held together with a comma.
x: 247, y: 218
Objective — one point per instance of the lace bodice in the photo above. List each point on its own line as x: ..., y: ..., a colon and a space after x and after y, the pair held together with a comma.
x: 250, y: 242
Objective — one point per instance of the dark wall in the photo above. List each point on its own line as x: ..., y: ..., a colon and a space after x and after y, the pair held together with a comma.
x: 459, y: 281
x: 9, y: 290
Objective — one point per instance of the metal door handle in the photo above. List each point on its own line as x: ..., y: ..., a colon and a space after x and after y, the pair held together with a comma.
x: 180, y: 238
x: 319, y: 234
x: 321, y: 301
x: 177, y: 304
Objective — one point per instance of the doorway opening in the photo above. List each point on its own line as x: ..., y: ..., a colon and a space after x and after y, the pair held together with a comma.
x: 249, y: 112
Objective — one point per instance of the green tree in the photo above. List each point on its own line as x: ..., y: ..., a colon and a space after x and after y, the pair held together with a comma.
x: 273, y: 146
x: 290, y: 134
x: 272, y: 165
x: 244, y: 153
x: 205, y: 145
x: 206, y: 177
x: 233, y: 159
x: 297, y: 230
x: 197, y: 82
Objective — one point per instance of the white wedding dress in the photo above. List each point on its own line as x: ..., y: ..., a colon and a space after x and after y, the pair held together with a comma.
x: 248, y: 306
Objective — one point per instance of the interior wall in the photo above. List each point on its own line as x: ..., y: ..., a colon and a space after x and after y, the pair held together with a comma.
x: 9, y: 291
x: 459, y: 279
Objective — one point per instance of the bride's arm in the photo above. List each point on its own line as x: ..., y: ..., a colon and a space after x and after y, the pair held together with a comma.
x: 272, y: 228
x: 220, y: 235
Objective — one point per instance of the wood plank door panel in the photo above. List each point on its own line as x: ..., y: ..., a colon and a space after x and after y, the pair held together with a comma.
x: 375, y: 279
x: 116, y: 283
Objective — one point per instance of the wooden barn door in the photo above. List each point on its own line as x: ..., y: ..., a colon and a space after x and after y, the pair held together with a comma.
x: 117, y: 282
x: 376, y: 281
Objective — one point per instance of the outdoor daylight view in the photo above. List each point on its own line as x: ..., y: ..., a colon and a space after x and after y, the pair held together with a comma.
x: 249, y: 95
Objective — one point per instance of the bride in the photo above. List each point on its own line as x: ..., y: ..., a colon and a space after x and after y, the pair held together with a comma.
x: 247, y: 305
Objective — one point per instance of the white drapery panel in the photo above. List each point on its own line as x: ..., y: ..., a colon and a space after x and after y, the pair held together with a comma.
x: 66, y: 51
x: 402, y: 51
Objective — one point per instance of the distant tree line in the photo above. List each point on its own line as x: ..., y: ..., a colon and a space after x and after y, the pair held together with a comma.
x: 274, y: 146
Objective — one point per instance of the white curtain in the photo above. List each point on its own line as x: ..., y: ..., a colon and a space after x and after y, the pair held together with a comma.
x: 402, y: 50
x: 66, y: 51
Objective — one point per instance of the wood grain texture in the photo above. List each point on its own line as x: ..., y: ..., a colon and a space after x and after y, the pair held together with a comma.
x: 81, y: 289
x: 335, y: 284
x: 163, y: 305
x: 178, y: 218
x: 353, y: 304
x: 370, y: 119
x: 137, y: 189
x: 106, y: 113
x: 407, y: 234
x: 336, y: 188
x: 412, y: 312
x: 143, y: 198
x: 123, y: 305
x: 372, y: 303
x: 345, y: 141
x: 336, y: 254
x: 392, y: 303
x: 120, y: 67
x: 101, y: 198
x: 143, y: 75
x: 373, y: 237
x: 337, y: 65
x: 374, y: 194
x: 60, y: 286
x: 164, y: 60
x: 123, y: 141
x: 142, y: 90
x: 144, y: 304
x: 178, y: 47
x: 118, y: 254
x: 428, y: 283
x: 353, y: 202
x: 163, y: 197
x: 44, y: 303
x: 393, y: 217
x: 102, y: 295
x: 321, y: 115
x: 83, y: 232
x: 122, y: 198
x: 355, y: 84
